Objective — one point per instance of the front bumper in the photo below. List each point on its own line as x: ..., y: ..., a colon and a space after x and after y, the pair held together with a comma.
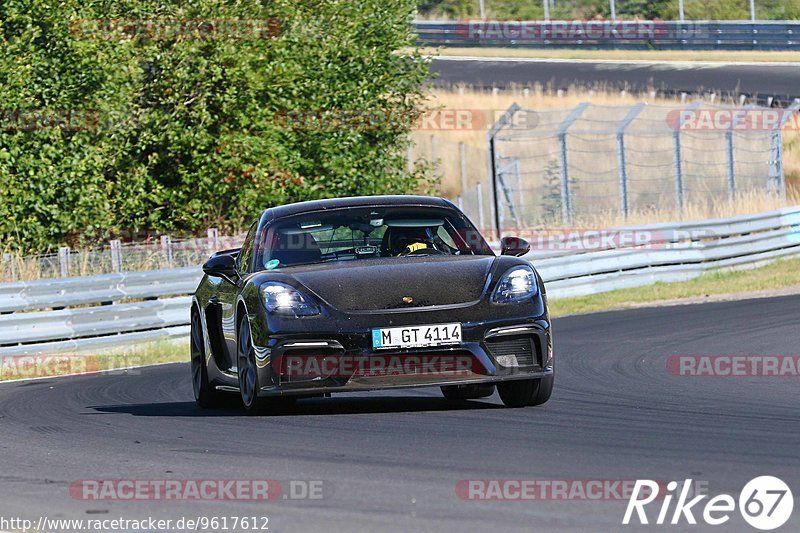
x: 343, y: 360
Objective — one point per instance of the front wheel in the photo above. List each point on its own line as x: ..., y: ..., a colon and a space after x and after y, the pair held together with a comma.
x: 248, y: 377
x: 526, y: 392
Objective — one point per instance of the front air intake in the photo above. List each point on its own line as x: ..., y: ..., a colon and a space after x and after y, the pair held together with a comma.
x: 514, y: 350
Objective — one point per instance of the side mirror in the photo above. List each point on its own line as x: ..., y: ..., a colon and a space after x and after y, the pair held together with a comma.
x: 222, y: 266
x: 514, y: 246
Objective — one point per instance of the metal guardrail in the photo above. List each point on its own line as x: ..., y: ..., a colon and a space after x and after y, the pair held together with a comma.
x: 145, y: 306
x: 659, y: 35
x: 673, y: 252
x: 95, y: 312
x: 103, y: 289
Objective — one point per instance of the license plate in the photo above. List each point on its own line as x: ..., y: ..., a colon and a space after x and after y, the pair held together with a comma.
x: 416, y: 336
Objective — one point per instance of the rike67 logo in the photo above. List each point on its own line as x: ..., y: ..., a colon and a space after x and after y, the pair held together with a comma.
x: 765, y: 503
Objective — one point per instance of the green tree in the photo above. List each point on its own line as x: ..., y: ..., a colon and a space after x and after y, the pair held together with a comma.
x: 184, y: 132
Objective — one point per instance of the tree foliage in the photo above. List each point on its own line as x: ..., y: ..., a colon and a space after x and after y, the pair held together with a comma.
x: 109, y: 128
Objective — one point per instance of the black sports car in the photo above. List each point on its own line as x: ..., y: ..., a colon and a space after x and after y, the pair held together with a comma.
x: 355, y: 294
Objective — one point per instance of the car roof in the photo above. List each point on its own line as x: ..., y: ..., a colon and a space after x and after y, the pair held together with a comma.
x: 353, y: 201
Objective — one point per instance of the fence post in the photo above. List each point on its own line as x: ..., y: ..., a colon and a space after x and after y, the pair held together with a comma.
x: 678, y: 170
x: 731, y: 165
x: 566, y: 197
x: 621, y: 160
x: 679, y: 189
x: 462, y: 160
x: 434, y: 159
x: 9, y: 258
x: 116, y: 255
x: 501, y: 179
x: 504, y: 119
x: 213, y: 240
x: 63, y: 261
x: 410, y: 157
x: 479, y: 192
x: 166, y: 248
x: 776, y: 170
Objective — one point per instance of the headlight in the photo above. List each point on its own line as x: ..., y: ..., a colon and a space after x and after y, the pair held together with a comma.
x: 284, y: 299
x: 517, y: 284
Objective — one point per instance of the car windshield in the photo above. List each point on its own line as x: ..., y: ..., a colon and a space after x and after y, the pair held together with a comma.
x: 368, y: 233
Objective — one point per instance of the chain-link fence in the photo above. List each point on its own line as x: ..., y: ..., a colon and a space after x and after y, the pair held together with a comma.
x: 163, y: 251
x: 558, y: 166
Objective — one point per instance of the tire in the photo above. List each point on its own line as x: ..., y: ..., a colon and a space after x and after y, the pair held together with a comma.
x: 248, y: 377
x: 526, y: 392
x: 468, y: 392
x: 543, y: 390
x: 205, y: 396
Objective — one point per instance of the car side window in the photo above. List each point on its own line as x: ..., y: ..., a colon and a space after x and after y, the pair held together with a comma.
x: 246, y: 255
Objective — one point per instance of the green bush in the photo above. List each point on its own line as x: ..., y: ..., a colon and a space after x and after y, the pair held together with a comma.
x: 184, y: 133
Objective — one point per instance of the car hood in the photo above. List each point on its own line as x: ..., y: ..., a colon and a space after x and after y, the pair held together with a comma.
x: 377, y: 284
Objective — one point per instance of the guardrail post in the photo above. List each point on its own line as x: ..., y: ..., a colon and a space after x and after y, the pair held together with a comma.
x: 116, y: 255
x: 213, y: 240
x: 166, y: 248
x: 621, y: 160
x: 63, y: 261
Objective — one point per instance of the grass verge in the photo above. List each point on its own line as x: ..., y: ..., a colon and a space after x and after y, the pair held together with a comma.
x: 122, y: 360
x: 742, y: 56
x: 764, y: 281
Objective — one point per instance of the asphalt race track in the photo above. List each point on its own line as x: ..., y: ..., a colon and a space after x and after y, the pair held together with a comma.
x: 391, y: 461
x: 780, y: 80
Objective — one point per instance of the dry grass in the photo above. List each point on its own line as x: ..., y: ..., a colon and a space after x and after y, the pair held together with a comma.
x: 742, y: 56
x: 542, y: 98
